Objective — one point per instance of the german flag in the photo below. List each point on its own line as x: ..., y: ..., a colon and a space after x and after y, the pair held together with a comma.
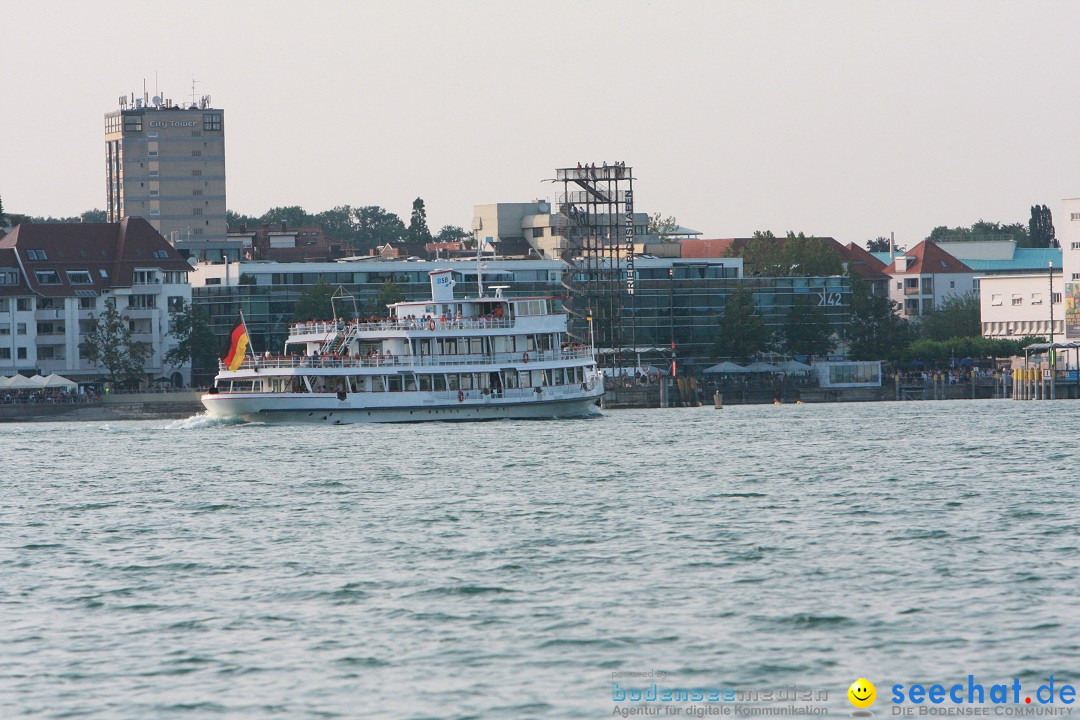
x: 238, y: 346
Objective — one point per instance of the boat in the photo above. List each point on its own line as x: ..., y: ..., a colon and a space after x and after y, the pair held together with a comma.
x: 443, y: 359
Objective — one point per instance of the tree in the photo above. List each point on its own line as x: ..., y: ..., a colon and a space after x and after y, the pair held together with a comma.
x: 418, y: 229
x: 742, y: 330
x: 2, y: 218
x: 1041, y: 228
x: 453, y: 233
x: 376, y: 226
x: 795, y: 255
x: 94, y: 216
x: 315, y: 303
x: 292, y: 216
x: 881, y: 244
x: 109, y: 345
x: 389, y: 294
x: 197, y: 345
x: 981, y: 231
x: 237, y: 220
x: 662, y: 227
x: 338, y: 223
x: 875, y: 331
x: 958, y: 316
x: 807, y: 331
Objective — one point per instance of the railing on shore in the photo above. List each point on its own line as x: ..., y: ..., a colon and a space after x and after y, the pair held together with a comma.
x: 407, y: 361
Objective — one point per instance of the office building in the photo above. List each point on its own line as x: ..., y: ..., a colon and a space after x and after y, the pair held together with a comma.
x: 166, y: 164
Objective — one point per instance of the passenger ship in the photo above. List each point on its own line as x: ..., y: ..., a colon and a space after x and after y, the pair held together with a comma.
x: 485, y: 358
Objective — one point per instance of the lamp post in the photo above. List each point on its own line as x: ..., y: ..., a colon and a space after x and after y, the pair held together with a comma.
x: 1050, y: 351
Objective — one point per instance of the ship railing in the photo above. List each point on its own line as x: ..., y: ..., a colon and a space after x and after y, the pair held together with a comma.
x: 434, y: 324
x: 273, y: 362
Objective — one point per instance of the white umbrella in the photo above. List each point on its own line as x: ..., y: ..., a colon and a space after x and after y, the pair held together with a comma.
x: 726, y: 367
x: 4, y: 381
x: 21, y: 382
x: 761, y: 367
x: 38, y: 381
x: 55, y: 381
x: 794, y: 366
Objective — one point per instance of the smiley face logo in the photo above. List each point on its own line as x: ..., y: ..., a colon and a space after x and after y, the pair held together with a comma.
x: 862, y: 693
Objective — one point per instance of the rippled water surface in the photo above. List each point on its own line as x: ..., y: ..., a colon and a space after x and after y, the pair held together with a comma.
x: 506, y: 570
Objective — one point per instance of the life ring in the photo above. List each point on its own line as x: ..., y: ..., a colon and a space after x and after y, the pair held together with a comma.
x: 430, y: 324
x: 461, y: 396
x: 525, y: 357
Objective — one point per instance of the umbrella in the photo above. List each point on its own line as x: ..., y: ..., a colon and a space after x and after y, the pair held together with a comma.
x: 55, y: 381
x: 38, y: 381
x: 21, y: 382
x: 4, y: 381
x: 794, y: 366
x: 726, y: 367
x: 761, y: 367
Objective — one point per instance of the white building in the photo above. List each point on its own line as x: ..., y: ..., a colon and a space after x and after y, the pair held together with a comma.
x: 55, y: 279
x: 924, y: 277
x: 1068, y: 234
x: 1017, y: 306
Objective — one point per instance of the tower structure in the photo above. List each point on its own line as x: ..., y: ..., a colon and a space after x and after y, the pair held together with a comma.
x: 166, y: 163
x: 597, y: 246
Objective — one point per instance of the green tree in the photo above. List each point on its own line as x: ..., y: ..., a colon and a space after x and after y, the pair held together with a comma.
x: 742, y: 331
x: 881, y: 244
x: 662, y: 227
x: 338, y: 224
x: 108, y: 344
x: 1041, y: 228
x: 980, y: 231
x: 196, y: 343
x: 237, y: 220
x: 292, y: 216
x: 94, y: 216
x: 376, y: 226
x: 875, y: 331
x: 315, y: 303
x: 2, y: 217
x: 453, y: 233
x: 389, y: 294
x: 807, y: 331
x: 796, y: 255
x: 957, y: 316
x: 418, y: 228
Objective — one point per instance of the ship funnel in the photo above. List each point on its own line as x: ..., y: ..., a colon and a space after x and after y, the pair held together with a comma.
x: 442, y: 285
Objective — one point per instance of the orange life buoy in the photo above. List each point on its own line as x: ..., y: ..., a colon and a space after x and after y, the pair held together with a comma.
x: 524, y: 357
x: 461, y: 396
x: 431, y: 324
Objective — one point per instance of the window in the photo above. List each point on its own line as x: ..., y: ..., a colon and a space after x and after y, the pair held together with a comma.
x: 143, y: 277
x: 196, y: 211
x: 1017, y: 300
x: 196, y: 153
x: 213, y: 281
x: 103, y: 273
x: 155, y: 193
x: 22, y: 304
x: 1074, y: 216
x: 87, y: 303
x: 911, y: 307
x: 197, y: 191
x: 5, y: 353
x: 47, y: 277
x: 175, y: 303
x: 1055, y: 297
x: 1036, y: 298
x: 152, y: 134
x: 132, y: 123
x: 928, y: 286
x: 538, y: 232
x: 142, y: 302
x: 161, y: 255
x: 153, y: 173
x: 196, y: 133
x: 1075, y: 245
x: 36, y: 255
x: 21, y: 353
x: 4, y: 304
x: 9, y: 277
x: 20, y: 328
x: 79, y: 277
x: 155, y: 211
x: 211, y: 121
x: 196, y: 173
x: 197, y: 231
x: 152, y: 153
x: 45, y: 352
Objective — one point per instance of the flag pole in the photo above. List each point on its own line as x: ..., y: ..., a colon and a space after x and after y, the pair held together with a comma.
x: 249, y: 347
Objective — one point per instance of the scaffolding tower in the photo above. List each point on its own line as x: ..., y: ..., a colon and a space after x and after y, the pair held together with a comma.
x: 597, y: 235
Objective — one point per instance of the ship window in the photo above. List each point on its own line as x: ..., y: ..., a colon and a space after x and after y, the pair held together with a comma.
x: 410, y: 383
x: 451, y: 382
x: 438, y: 382
x: 377, y: 384
x: 476, y: 346
x: 393, y: 383
x: 425, y: 382
x: 525, y: 379
x: 465, y: 382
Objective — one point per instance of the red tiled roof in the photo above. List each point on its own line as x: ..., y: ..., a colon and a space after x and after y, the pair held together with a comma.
x: 708, y: 248
x: 928, y: 259
x: 862, y: 261
x: 8, y: 261
x: 109, y: 252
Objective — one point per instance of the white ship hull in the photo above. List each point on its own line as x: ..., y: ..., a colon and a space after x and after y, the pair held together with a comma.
x: 328, y: 409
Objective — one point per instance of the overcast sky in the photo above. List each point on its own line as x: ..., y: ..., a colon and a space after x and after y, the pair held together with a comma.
x: 848, y: 118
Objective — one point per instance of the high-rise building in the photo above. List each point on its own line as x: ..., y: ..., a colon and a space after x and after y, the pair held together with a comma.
x: 166, y: 164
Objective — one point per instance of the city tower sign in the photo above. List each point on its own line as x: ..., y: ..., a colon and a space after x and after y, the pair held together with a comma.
x: 173, y: 123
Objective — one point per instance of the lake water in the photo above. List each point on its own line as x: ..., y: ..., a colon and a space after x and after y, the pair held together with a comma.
x: 194, y: 569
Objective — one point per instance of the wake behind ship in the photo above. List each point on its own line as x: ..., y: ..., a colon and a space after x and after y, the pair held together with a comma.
x: 484, y: 358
